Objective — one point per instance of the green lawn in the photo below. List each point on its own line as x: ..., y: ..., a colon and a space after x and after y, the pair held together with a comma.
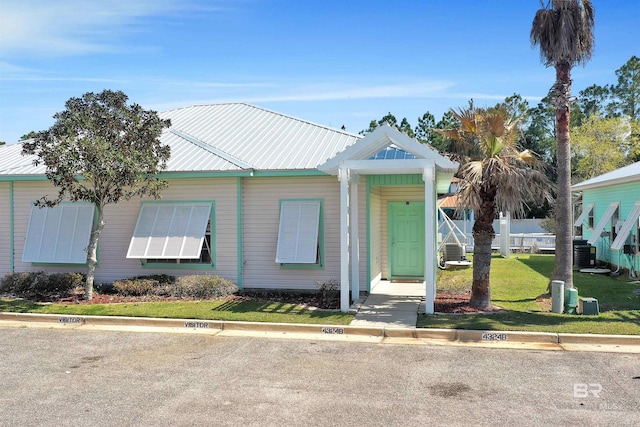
x: 517, y: 282
x: 248, y: 311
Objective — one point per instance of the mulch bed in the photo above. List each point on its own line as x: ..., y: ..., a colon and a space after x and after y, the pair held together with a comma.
x: 445, y: 302
x: 458, y: 304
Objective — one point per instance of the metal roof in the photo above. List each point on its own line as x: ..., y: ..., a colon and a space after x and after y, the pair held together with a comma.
x: 629, y: 173
x: 245, y: 135
x: 227, y: 138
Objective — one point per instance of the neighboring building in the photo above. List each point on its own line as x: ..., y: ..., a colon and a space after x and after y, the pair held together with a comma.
x: 610, y: 216
x: 266, y: 200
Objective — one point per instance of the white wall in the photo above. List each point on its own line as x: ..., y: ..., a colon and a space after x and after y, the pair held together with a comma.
x: 120, y: 222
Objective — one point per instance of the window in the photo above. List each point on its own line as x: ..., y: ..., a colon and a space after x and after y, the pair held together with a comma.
x: 300, y: 239
x: 591, y: 221
x: 587, y: 211
x: 174, y: 233
x: 613, y: 207
x: 624, y: 235
x: 60, y: 234
x: 614, y: 224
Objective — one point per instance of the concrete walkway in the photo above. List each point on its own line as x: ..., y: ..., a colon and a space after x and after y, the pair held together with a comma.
x: 392, y: 305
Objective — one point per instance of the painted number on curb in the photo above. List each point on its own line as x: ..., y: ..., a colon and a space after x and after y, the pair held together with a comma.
x: 494, y: 337
x: 333, y: 330
x: 70, y: 319
x: 204, y: 325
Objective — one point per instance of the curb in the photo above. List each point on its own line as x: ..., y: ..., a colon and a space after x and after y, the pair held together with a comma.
x: 456, y: 336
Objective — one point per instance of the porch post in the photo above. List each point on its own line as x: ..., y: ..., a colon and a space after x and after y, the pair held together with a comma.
x: 430, y: 239
x: 355, y: 237
x: 343, y: 176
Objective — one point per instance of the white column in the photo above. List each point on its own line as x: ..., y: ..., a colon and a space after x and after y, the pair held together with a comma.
x: 430, y: 244
x: 343, y: 176
x: 354, y: 237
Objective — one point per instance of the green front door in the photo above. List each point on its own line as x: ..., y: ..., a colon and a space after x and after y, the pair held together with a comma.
x: 406, y: 239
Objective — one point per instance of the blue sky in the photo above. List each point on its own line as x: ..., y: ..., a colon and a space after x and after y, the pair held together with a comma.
x: 332, y: 62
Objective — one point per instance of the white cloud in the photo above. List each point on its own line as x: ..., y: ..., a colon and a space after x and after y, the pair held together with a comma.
x: 71, y: 27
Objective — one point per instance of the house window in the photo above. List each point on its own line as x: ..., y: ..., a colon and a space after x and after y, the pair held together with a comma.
x: 60, y: 234
x: 170, y: 234
x: 591, y: 221
x: 615, y: 218
x: 600, y: 227
x: 300, y: 234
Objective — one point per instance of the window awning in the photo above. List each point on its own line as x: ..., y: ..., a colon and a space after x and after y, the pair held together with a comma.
x: 298, y: 232
x: 632, y: 219
x: 59, y: 234
x: 603, y: 222
x: 170, y: 231
x: 583, y: 215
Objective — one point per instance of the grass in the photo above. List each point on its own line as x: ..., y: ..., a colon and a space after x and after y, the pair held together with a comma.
x: 248, y: 311
x: 516, y: 284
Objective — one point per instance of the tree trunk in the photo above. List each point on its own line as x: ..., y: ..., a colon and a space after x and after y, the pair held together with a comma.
x: 92, y: 258
x: 483, y: 234
x: 564, y: 219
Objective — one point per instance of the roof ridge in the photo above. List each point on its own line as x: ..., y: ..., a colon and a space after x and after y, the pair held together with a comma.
x: 341, y: 131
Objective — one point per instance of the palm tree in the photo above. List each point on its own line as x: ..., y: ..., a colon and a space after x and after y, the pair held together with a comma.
x: 564, y: 31
x: 494, y: 176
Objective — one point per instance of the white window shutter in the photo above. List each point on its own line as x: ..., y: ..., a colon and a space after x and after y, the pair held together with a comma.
x: 298, y: 232
x: 629, y: 223
x: 603, y: 222
x: 583, y: 215
x: 170, y: 231
x: 60, y: 234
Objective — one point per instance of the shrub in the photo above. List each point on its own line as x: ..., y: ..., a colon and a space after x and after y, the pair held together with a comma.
x: 329, y: 291
x: 41, y: 285
x: 203, y: 287
x: 135, y: 287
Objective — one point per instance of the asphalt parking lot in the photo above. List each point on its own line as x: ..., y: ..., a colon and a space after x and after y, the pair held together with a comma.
x: 57, y: 377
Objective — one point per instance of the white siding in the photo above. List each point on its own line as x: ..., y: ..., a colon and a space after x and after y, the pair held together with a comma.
x: 120, y: 222
x: 260, y: 234
x: 5, y: 229
x: 261, y: 218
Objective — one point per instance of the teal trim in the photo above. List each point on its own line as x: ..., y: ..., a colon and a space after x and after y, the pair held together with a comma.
x: 302, y: 172
x: 23, y: 178
x: 203, y: 174
x: 12, y: 258
x: 303, y: 266
x: 184, y: 175
x: 211, y: 266
x: 389, y: 180
x: 368, y: 236
x: 319, y: 266
x: 239, y: 226
x: 159, y: 266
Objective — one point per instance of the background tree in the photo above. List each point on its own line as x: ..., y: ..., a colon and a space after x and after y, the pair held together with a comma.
x: 101, y: 150
x: 29, y: 135
x: 601, y: 145
x: 627, y: 89
x: 424, y: 130
x: 564, y: 31
x: 594, y: 100
x: 495, y: 176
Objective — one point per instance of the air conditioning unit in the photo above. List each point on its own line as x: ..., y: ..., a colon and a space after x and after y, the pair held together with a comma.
x: 454, y: 252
